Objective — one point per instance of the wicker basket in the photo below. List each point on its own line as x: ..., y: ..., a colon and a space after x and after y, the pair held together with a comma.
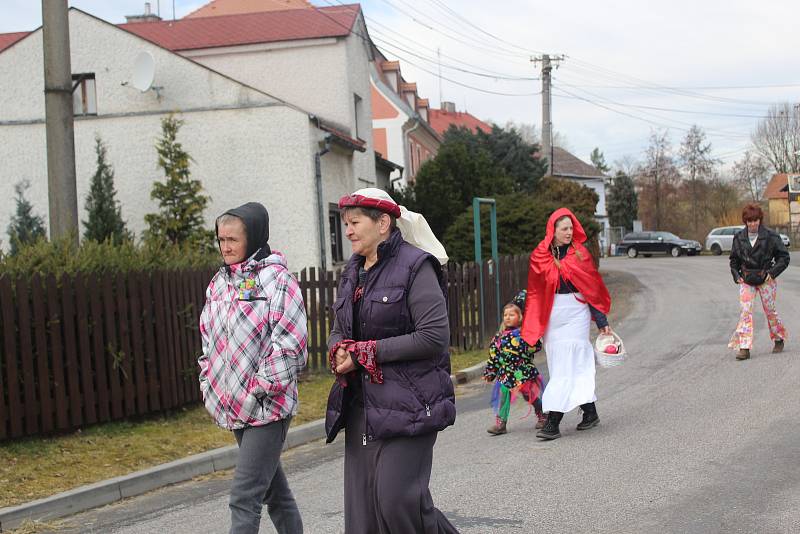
x: 604, y: 359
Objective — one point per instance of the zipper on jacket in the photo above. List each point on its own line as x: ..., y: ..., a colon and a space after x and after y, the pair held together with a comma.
x: 427, y: 410
x: 364, y: 395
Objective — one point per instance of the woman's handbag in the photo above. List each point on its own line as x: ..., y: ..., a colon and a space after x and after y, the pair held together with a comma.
x: 609, y: 350
x: 754, y: 277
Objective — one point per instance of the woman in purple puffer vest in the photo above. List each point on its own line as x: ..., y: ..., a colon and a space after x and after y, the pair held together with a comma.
x: 389, y: 352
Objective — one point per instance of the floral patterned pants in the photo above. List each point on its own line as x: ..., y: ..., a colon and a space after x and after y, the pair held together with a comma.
x: 743, y: 336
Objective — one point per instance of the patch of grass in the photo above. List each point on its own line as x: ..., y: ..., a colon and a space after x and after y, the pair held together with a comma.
x: 38, y: 467
x: 463, y: 360
x: 35, y: 527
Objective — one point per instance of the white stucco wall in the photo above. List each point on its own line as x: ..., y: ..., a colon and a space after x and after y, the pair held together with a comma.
x: 244, y: 147
x: 109, y: 52
x: 237, y: 154
x: 318, y: 75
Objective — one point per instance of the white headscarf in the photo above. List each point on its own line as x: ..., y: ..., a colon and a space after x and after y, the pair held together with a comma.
x: 415, y: 229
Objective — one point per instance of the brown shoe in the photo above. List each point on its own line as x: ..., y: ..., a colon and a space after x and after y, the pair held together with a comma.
x: 743, y: 354
x: 542, y: 419
x: 498, y: 428
x: 778, y: 346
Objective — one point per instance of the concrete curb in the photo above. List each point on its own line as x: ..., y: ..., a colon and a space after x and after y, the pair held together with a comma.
x: 108, y: 491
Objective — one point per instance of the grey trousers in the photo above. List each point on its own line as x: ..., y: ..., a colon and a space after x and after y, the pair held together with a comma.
x: 259, y: 480
x: 386, y: 484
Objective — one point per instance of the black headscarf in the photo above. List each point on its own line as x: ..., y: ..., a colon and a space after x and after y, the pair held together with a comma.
x: 256, y: 223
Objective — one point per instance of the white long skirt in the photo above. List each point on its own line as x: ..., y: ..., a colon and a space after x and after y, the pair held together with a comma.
x: 570, y: 356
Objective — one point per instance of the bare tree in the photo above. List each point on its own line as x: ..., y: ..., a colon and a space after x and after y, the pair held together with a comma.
x: 751, y: 174
x: 777, y: 137
x: 526, y: 131
x: 657, y: 175
x: 626, y: 165
x: 698, y: 164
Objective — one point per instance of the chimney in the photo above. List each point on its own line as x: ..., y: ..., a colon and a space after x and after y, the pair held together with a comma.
x: 448, y: 107
x: 148, y: 16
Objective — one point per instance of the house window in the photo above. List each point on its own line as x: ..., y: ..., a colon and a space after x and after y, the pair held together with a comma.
x: 335, y: 230
x: 357, y: 111
x: 84, y: 96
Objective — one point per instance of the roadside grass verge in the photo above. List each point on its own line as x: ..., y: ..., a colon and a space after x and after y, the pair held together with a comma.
x: 38, y: 467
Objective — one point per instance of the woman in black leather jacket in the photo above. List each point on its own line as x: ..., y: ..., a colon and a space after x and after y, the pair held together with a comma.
x: 757, y: 257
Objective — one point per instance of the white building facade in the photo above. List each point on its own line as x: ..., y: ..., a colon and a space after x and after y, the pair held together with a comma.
x: 245, y: 144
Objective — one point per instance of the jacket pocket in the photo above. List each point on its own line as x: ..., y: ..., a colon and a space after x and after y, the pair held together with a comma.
x: 387, y: 312
x: 414, y: 389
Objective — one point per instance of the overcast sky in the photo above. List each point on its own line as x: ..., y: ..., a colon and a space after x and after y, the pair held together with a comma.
x: 715, y: 63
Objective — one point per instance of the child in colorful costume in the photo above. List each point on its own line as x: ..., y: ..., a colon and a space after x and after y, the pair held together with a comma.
x: 511, y: 367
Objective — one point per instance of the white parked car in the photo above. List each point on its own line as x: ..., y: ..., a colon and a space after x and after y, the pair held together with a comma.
x: 720, y: 239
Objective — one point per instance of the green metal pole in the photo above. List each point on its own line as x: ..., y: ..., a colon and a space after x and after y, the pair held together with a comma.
x: 496, y: 259
x: 476, y: 223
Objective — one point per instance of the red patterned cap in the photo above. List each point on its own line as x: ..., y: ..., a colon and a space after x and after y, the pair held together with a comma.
x: 381, y: 202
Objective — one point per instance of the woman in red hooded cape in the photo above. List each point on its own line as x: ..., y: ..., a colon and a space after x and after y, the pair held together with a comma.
x: 565, y: 292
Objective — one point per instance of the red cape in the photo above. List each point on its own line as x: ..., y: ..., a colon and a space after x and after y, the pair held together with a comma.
x: 543, y: 278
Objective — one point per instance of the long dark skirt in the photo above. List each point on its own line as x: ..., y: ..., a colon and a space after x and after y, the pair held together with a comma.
x: 386, y: 484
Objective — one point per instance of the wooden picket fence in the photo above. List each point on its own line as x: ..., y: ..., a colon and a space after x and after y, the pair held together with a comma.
x: 91, y: 348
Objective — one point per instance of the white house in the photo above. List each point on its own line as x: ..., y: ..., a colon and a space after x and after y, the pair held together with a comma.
x: 247, y: 143
x: 400, y: 128
x: 569, y: 167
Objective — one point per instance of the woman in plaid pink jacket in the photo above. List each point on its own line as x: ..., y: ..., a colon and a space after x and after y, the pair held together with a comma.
x: 254, y: 334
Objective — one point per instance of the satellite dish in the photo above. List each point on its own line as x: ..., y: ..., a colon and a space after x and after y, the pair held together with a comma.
x: 144, y: 70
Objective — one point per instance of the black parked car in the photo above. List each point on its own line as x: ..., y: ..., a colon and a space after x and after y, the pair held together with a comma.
x: 648, y: 243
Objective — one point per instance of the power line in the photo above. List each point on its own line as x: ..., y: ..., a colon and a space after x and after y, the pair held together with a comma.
x: 649, y: 86
x: 451, y: 67
x: 698, y: 87
x: 637, y: 117
x: 402, y: 37
x: 471, y: 41
x: 369, y: 42
x: 644, y: 84
x: 673, y: 110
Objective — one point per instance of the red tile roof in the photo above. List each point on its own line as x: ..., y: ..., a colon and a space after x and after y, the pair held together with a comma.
x: 773, y: 190
x: 216, y: 8
x: 249, y: 28
x: 441, y: 120
x: 8, y: 39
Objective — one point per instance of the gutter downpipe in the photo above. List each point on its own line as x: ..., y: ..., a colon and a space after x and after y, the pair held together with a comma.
x: 405, y: 142
x: 323, y: 256
x: 320, y: 205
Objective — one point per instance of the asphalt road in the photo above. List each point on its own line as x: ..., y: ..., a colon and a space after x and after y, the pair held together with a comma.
x: 690, y: 440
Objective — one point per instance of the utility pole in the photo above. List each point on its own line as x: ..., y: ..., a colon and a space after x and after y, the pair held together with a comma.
x: 547, y: 121
x: 439, y: 55
x: 61, y: 190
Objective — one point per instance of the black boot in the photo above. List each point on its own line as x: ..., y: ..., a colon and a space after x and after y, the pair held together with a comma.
x: 550, y: 430
x: 590, y: 417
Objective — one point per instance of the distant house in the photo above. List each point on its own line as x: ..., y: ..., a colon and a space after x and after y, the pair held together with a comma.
x: 777, y: 196
x: 442, y: 119
x: 259, y: 99
x: 400, y: 129
x: 569, y: 167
